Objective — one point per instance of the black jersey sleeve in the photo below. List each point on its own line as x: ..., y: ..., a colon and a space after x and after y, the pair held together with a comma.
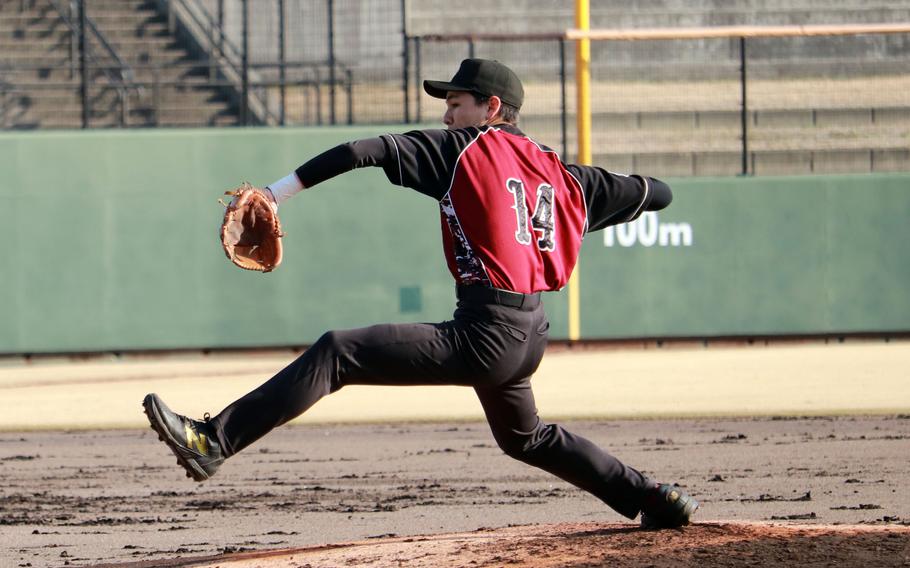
x: 612, y: 199
x: 423, y: 160
x: 343, y: 158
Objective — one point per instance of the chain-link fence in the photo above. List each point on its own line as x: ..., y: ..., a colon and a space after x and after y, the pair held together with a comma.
x: 317, y: 62
x: 697, y: 106
x: 709, y: 106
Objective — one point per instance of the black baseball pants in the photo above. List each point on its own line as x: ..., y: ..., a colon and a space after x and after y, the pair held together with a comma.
x: 491, y: 347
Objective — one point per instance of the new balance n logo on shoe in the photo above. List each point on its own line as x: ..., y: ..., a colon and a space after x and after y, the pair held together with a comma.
x: 196, y: 441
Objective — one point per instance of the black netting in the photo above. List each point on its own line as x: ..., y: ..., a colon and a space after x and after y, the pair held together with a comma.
x: 671, y: 107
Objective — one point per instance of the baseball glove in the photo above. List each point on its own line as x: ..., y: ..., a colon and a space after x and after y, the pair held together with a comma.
x: 251, y: 232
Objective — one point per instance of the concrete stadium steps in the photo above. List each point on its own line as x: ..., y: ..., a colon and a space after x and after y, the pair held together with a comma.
x: 49, y: 75
x: 19, y: 66
x: 156, y: 56
x: 35, y: 51
x: 103, y: 95
x: 19, y: 117
x: 113, y: 6
x: 35, y: 47
x: 150, y: 29
x: 124, y: 18
x: 781, y: 141
x: 16, y: 60
x: 62, y: 107
x: 38, y: 22
x: 69, y: 121
x: 30, y: 32
x: 677, y: 133
x: 36, y: 33
x: 68, y: 94
x: 485, y: 16
x: 175, y: 115
x: 141, y: 21
x: 137, y: 53
x: 45, y: 76
x: 132, y: 47
x: 720, y: 120
x: 760, y: 140
x: 781, y: 162
x: 26, y: 6
x: 9, y: 10
x: 697, y: 58
x: 132, y: 50
x: 119, y: 6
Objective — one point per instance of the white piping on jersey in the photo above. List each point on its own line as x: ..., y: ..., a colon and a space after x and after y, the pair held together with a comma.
x: 454, y: 215
x: 458, y: 160
x: 584, y: 229
x: 398, y: 155
x: 584, y: 200
x: 644, y: 198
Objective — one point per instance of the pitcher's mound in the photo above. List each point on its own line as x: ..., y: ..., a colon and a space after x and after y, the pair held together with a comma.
x: 580, y: 545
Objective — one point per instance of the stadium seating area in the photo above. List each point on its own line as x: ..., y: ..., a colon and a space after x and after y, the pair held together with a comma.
x: 816, y: 105
x: 134, y: 79
x: 480, y: 16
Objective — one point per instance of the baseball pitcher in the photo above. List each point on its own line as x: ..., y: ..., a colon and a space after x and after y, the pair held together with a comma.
x: 513, y: 217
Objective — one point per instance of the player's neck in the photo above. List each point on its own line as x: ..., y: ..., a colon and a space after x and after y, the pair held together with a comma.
x: 495, y: 121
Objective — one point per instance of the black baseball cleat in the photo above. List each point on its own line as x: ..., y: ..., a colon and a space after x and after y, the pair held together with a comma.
x: 193, y: 442
x: 667, y: 506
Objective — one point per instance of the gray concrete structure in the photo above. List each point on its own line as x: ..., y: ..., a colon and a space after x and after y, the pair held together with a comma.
x: 815, y: 104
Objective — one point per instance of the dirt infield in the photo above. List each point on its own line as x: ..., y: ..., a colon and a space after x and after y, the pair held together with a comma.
x: 810, y: 470
x: 574, y: 545
x: 792, y: 491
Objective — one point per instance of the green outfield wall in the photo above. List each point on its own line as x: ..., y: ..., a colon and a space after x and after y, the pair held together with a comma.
x: 768, y: 255
x: 111, y: 243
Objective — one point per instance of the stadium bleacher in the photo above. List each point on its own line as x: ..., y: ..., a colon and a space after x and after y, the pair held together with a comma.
x: 816, y: 105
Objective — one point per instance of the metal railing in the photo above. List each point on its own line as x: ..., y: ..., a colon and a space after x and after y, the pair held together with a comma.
x: 700, y: 105
x: 191, y: 19
x: 73, y: 18
x: 121, y: 76
x: 233, y: 62
x: 724, y: 115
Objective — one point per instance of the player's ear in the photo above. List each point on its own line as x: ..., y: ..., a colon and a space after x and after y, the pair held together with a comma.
x: 493, y: 105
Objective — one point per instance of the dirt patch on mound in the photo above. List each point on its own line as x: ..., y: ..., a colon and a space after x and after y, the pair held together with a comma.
x: 580, y: 545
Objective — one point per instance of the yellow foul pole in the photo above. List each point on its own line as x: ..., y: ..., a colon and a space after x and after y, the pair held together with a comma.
x: 583, y: 116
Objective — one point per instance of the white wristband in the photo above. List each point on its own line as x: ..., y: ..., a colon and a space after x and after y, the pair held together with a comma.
x: 285, y: 188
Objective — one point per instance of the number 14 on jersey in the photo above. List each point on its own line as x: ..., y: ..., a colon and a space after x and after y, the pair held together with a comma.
x: 542, y: 219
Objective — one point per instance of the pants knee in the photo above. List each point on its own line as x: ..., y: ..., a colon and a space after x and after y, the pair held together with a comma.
x: 328, y: 342
x: 517, y: 445
x: 324, y: 358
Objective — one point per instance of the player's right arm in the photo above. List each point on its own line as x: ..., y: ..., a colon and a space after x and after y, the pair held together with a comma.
x: 423, y: 160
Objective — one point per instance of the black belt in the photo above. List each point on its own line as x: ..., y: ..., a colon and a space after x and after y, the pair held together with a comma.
x: 496, y: 296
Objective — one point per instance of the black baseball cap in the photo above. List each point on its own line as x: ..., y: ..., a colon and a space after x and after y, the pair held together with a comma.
x: 484, y: 77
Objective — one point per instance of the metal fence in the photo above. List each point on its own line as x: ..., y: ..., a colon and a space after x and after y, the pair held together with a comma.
x: 695, y: 106
x: 307, y: 62
x: 708, y: 106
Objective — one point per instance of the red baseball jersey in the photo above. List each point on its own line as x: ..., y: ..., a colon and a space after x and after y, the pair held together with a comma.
x: 513, y: 214
x: 514, y: 217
